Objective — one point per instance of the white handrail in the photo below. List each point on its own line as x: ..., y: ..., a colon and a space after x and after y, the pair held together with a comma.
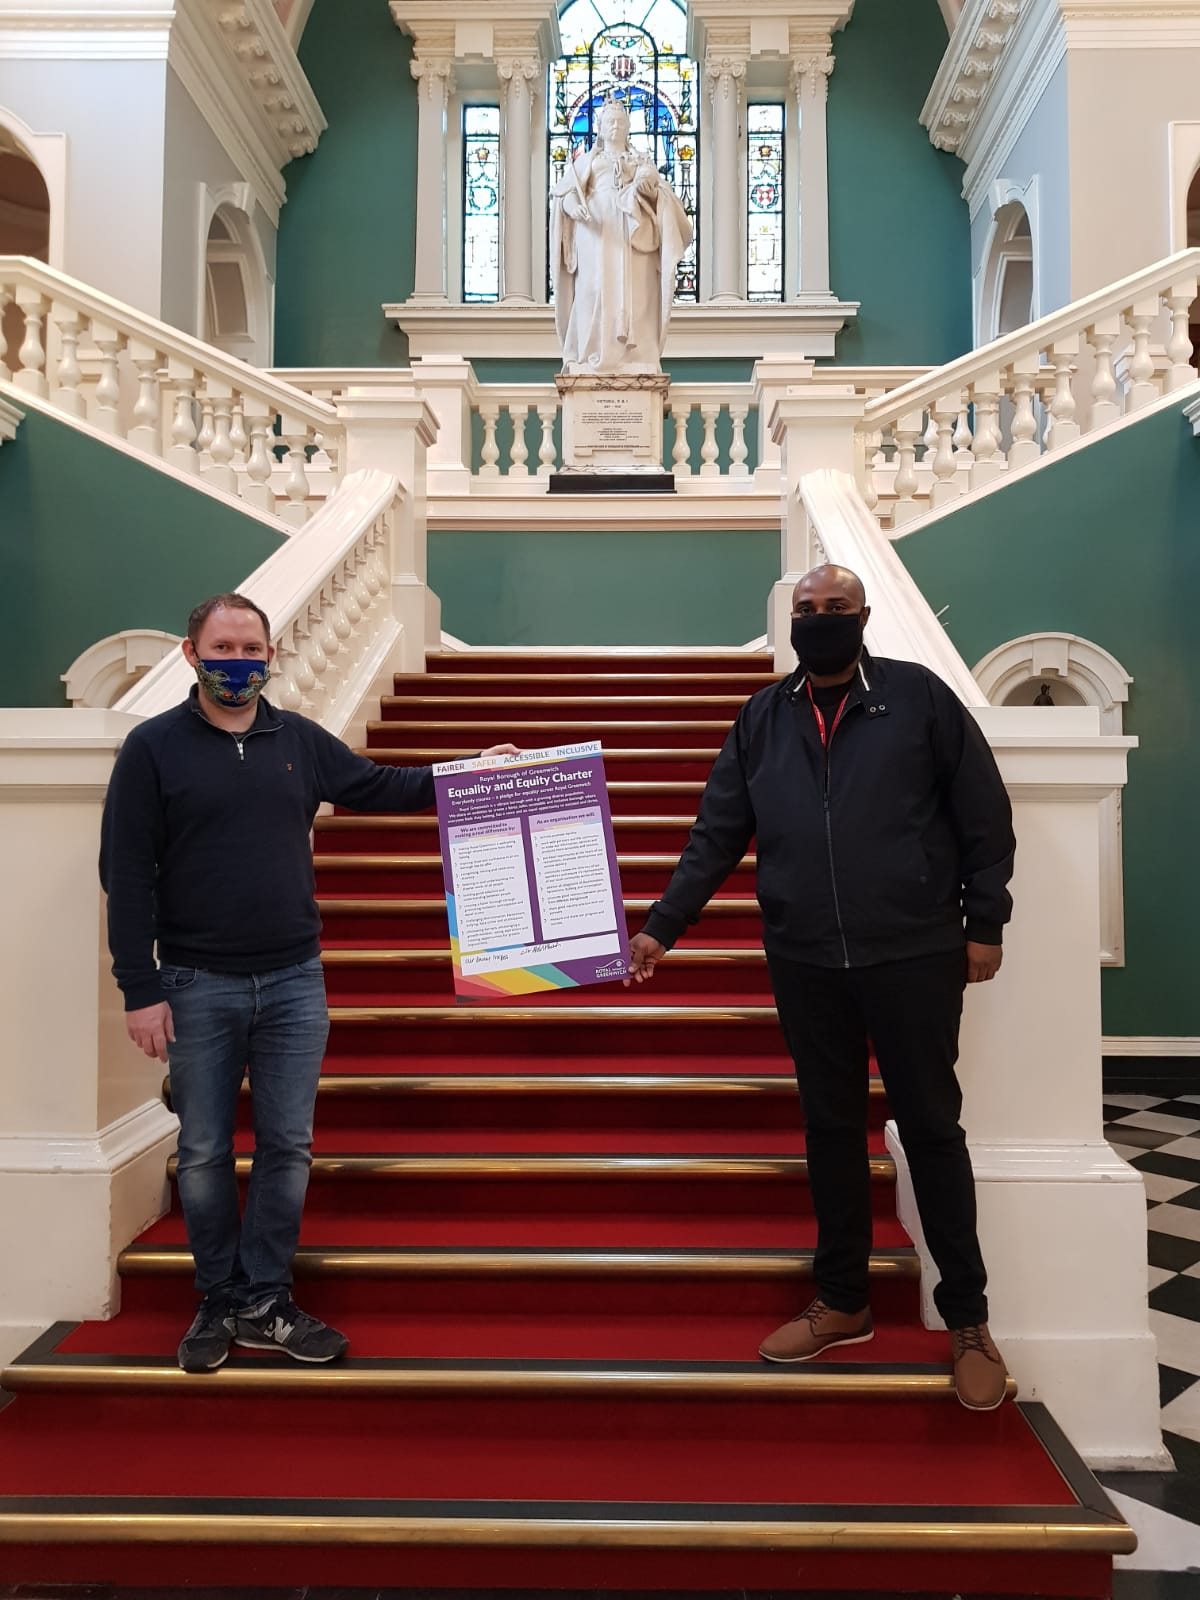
x: 902, y: 625
x: 1117, y: 298
x: 167, y: 394
x: 327, y: 593
x: 16, y: 270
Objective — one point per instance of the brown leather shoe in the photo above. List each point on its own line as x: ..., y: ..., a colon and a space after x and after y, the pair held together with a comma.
x: 980, y: 1376
x: 816, y: 1330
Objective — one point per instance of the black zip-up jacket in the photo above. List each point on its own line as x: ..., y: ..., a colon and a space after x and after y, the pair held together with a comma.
x: 894, y: 842
x: 204, y: 844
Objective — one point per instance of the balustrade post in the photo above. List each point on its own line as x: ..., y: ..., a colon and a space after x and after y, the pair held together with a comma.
x: 739, y: 410
x: 710, y: 467
x: 489, y: 410
x: 1143, y: 390
x: 815, y: 429
x: 449, y: 385
x: 260, y: 460
x: 67, y: 374
x: 681, y: 462
x: 5, y: 370
x: 987, y: 460
x: 943, y: 415
x: 1179, y: 346
x: 774, y: 376
x: 145, y: 433
x: 1025, y: 447
x: 106, y: 398
x: 78, y: 1100
x: 1102, y: 336
x: 1061, y: 1217
x: 518, y: 411
x: 393, y: 429
x: 905, y: 432
x: 547, y: 453
x: 1063, y: 428
x: 31, y: 356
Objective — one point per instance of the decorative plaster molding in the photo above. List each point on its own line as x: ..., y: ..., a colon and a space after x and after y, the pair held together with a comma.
x: 1192, y: 413
x: 810, y: 75
x: 105, y: 1152
x: 972, y: 58
x: 239, y: 67
x: 1150, y: 1044
x: 724, y: 73
x: 95, y: 32
x: 10, y: 420
x: 269, y: 70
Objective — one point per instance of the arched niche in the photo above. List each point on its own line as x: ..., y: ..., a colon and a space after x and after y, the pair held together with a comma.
x: 1064, y: 670
x: 236, y: 311
x: 1008, y: 297
x: 109, y: 668
x: 30, y: 219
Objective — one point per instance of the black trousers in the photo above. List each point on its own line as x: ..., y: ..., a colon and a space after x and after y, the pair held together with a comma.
x: 910, y: 1011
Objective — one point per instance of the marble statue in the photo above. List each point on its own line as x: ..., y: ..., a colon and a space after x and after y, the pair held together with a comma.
x: 618, y: 232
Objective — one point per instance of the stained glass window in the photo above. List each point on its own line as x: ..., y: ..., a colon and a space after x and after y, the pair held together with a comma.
x: 481, y: 204
x: 630, y: 49
x: 764, y: 202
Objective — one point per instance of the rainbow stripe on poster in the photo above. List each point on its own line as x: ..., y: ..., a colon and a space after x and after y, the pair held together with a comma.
x: 532, y: 889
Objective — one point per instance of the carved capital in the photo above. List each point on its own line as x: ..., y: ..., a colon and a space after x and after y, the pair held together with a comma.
x: 724, y: 73
x: 435, y: 74
x: 517, y: 73
x: 810, y: 75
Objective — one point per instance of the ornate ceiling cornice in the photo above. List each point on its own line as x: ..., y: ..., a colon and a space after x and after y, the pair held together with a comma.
x: 977, y: 46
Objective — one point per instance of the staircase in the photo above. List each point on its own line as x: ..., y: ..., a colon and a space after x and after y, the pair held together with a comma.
x: 555, y: 1233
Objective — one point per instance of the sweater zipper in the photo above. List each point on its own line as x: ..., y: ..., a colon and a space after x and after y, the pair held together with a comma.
x: 239, y: 739
x: 827, y: 744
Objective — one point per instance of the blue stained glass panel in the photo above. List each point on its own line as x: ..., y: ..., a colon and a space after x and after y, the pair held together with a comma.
x: 481, y: 204
x: 764, y: 202
x: 631, y: 49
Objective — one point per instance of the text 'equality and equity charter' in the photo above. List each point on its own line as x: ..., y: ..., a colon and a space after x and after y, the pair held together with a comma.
x: 532, y: 888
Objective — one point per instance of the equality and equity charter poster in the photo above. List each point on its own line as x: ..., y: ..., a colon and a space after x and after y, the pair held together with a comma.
x: 530, y: 864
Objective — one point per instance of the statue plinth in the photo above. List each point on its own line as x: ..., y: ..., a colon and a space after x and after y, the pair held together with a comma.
x: 612, y: 434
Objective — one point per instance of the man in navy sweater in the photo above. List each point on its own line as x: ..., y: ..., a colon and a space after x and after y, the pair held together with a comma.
x: 206, y: 853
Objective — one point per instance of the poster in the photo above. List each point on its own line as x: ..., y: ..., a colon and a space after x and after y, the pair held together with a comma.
x: 532, y: 889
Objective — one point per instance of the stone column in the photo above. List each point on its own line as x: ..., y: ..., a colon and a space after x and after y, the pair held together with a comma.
x: 725, y: 74
x: 517, y: 75
x: 810, y: 84
x: 435, y: 79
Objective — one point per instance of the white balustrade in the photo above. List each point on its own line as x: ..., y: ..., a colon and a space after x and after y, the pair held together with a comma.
x: 244, y: 432
x: 1030, y: 393
x: 328, y: 594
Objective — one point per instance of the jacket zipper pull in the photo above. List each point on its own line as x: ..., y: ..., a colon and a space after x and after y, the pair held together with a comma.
x: 241, y: 752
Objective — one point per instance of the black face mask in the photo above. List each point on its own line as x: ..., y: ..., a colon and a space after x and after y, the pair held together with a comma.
x: 827, y: 644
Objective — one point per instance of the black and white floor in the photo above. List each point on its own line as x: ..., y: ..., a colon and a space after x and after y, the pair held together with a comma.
x: 1161, y: 1138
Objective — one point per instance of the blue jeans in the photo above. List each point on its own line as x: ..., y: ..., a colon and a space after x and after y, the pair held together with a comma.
x: 275, y: 1024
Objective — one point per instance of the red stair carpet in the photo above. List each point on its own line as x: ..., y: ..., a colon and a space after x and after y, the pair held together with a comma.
x: 555, y: 1232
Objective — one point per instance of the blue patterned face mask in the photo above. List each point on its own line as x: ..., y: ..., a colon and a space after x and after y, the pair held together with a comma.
x: 234, y: 682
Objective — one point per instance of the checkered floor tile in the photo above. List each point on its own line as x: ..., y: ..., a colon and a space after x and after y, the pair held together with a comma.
x: 1161, y: 1138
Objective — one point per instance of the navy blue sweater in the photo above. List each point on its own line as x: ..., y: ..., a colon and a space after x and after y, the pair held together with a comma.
x: 205, y: 840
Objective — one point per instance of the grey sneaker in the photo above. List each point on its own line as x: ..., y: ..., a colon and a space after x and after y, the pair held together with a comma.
x: 281, y: 1325
x: 205, y: 1345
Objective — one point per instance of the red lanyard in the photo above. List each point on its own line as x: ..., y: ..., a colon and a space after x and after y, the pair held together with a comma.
x: 825, y: 737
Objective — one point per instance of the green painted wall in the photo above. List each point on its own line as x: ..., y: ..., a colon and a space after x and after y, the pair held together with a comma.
x: 1106, y: 544
x: 899, y: 233
x: 92, y: 542
x: 348, y: 230
x: 537, y: 588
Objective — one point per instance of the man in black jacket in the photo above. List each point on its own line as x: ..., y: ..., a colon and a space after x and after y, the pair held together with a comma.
x: 206, y: 852
x: 885, y: 846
